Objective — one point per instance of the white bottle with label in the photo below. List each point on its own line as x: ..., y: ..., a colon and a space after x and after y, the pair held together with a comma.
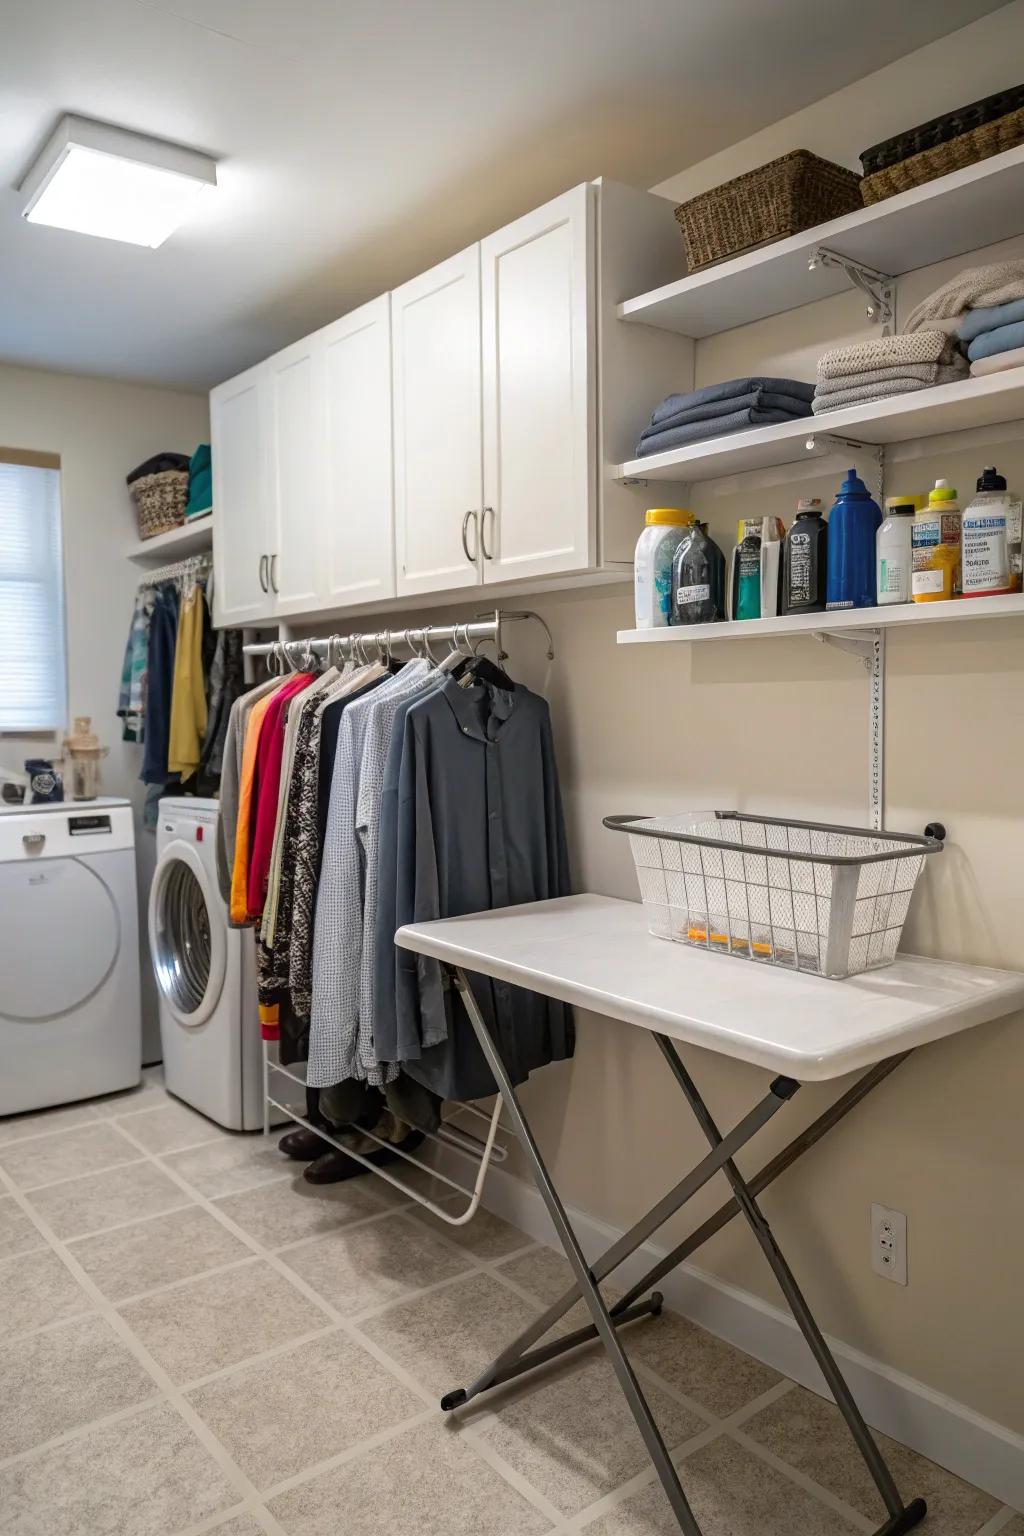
x: 652, y: 565
x: 894, y: 551
x: 990, y: 523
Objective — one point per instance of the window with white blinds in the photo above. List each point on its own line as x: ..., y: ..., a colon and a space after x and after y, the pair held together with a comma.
x: 33, y: 686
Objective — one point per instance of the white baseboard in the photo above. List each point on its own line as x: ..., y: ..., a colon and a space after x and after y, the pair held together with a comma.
x: 947, y: 1432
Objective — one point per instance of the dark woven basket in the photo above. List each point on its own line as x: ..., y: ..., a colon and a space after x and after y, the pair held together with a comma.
x: 990, y: 139
x: 160, y: 501
x: 781, y: 198
x: 914, y: 141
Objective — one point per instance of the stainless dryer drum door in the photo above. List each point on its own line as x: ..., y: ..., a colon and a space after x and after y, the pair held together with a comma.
x: 186, y: 937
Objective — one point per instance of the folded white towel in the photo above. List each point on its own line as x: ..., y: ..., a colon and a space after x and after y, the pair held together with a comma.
x: 973, y: 288
x: 889, y: 352
x: 998, y: 363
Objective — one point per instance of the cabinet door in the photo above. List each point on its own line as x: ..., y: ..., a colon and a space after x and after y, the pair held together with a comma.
x: 241, y: 540
x: 359, y: 541
x: 537, y: 282
x: 297, y: 474
x: 436, y: 323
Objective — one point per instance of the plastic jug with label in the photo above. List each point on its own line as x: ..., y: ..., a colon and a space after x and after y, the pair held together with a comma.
x: 852, y: 525
x: 652, y: 568
x: 936, y: 540
x: 986, y: 528
x: 698, y: 579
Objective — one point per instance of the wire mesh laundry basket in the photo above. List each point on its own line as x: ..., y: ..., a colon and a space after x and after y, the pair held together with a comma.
x: 805, y: 895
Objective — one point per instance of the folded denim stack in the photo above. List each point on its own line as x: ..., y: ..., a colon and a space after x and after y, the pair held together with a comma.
x: 721, y: 408
x: 888, y: 365
x: 994, y: 336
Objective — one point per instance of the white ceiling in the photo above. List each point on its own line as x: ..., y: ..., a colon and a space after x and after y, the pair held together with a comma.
x: 360, y: 141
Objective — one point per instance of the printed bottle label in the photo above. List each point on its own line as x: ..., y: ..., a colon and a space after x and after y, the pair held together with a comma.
x: 698, y: 594
x: 985, y: 562
x: 892, y: 578
x: 800, y: 570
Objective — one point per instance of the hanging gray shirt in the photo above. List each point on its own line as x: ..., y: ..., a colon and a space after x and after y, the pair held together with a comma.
x: 478, y: 825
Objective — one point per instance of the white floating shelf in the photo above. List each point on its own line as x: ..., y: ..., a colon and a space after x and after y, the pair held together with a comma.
x: 981, y: 402
x: 190, y: 539
x: 961, y: 212
x: 893, y: 616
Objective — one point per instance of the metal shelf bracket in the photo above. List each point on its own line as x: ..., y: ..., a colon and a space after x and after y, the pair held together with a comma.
x: 877, y: 287
x: 868, y: 645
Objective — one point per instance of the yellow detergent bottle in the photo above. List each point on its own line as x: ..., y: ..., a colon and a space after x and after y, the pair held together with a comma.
x: 936, y: 547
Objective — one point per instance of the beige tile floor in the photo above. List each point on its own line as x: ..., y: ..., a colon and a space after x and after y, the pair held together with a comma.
x: 192, y: 1340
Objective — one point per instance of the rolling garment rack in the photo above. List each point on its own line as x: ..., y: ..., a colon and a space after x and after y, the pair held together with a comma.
x: 467, y: 637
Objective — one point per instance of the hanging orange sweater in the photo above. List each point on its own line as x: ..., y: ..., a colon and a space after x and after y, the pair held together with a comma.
x: 243, y: 835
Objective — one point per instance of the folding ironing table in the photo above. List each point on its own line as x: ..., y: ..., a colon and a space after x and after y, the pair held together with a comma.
x: 597, y: 954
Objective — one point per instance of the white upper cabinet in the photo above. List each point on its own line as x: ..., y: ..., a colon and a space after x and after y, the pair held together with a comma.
x: 539, y: 389
x: 296, y: 443
x: 437, y: 396
x: 452, y: 435
x: 241, y: 539
x: 359, y: 549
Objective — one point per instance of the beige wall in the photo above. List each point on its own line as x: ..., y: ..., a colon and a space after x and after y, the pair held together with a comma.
x: 100, y: 430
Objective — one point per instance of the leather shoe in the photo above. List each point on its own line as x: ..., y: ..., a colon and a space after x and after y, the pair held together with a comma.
x: 303, y: 1145
x: 335, y: 1166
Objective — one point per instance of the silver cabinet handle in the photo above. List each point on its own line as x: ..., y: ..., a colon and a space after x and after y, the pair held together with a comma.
x: 273, y: 573
x: 475, y: 515
x: 263, y: 573
x: 488, y: 554
x: 33, y: 841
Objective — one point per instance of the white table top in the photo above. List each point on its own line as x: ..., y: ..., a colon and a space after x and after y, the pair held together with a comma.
x: 596, y: 952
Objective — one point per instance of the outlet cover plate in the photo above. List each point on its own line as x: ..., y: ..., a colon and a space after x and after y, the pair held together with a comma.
x: 889, y: 1244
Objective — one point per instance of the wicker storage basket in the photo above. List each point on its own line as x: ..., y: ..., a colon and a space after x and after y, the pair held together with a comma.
x: 990, y: 139
x: 781, y: 198
x: 939, y: 130
x: 160, y: 501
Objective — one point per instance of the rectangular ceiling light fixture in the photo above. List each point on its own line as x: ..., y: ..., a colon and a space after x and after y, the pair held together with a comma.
x: 106, y: 181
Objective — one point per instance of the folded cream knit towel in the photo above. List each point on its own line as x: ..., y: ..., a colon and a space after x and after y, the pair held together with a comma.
x: 891, y: 352
x: 915, y: 373
x: 857, y: 393
x: 973, y: 288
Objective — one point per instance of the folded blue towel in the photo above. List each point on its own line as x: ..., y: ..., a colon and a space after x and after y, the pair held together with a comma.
x: 759, y: 399
x: 977, y: 321
x: 715, y: 426
x: 731, y: 389
x: 990, y: 343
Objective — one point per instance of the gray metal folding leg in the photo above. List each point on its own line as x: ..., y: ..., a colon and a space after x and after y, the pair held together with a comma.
x: 901, y: 1516
x: 592, y: 1296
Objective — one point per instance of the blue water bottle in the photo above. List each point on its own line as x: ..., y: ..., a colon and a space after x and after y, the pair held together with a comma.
x: 852, y: 525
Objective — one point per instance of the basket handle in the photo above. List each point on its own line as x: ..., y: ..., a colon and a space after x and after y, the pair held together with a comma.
x: 622, y: 823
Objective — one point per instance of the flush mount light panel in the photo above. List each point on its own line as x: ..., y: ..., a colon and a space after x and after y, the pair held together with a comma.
x: 106, y: 181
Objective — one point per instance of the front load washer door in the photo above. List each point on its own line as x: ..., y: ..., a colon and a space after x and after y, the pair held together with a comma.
x: 60, y: 935
x: 187, y: 935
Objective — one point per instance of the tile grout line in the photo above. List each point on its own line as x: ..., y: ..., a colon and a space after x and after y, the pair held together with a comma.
x: 818, y: 1490
x: 74, y: 1238
x: 171, y: 1393
x: 81, y: 1430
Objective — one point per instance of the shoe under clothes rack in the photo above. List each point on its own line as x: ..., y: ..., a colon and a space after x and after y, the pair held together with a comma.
x: 480, y: 1152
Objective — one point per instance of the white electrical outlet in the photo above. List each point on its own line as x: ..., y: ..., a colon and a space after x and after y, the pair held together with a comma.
x: 889, y: 1243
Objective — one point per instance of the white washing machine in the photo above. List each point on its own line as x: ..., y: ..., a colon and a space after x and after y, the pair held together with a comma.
x: 69, y: 953
x: 205, y: 974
